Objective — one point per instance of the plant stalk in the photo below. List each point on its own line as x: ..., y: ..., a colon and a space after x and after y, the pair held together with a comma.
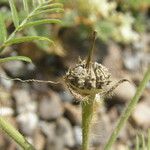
x: 89, y: 58
x: 87, y: 115
x: 128, y: 110
x: 15, y: 135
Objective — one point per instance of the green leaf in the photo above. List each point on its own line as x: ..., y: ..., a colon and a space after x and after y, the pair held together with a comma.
x: 3, y: 31
x: 47, y: 2
x: 14, y: 134
x: 42, y: 1
x: 14, y: 13
x: 14, y: 58
x: 148, y: 140
x: 26, y: 8
x: 39, y: 22
x: 105, y: 29
x: 137, y: 143
x: 39, y: 1
x: 27, y: 39
x: 143, y: 142
x: 53, y: 5
x: 33, y: 3
x: 54, y: 10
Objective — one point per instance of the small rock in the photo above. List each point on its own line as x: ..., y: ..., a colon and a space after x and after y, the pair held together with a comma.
x: 15, y: 68
x: 31, y: 67
x: 60, y: 135
x: 21, y: 96
x: 78, y: 135
x: 113, y: 57
x: 24, y: 101
x: 113, y: 114
x: 124, y: 133
x: 66, y: 96
x: 124, y: 92
x: 48, y: 129
x: 119, y: 146
x: 53, y: 142
x: 6, y: 111
x: 5, y: 98
x: 136, y: 61
x: 64, y: 131
x: 4, y: 80
x: 6, y: 83
x: 73, y: 113
x: 39, y: 140
x: 50, y: 107
x: 56, y: 145
x: 28, y: 122
x: 2, y: 141
x: 141, y: 115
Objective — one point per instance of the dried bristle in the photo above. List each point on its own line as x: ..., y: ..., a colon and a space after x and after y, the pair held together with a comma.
x: 109, y: 93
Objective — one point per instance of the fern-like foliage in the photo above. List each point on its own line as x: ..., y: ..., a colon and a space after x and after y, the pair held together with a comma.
x: 143, y: 143
x: 35, y: 11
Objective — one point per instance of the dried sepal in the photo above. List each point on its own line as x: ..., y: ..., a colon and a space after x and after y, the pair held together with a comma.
x: 83, y: 82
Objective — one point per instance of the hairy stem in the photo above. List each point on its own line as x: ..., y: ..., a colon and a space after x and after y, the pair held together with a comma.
x: 89, y: 58
x: 87, y: 114
x: 15, y: 135
x: 128, y: 110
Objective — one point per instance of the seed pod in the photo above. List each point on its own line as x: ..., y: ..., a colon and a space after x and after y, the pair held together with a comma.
x: 82, y: 80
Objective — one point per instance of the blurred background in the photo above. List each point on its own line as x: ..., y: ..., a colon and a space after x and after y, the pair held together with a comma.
x: 48, y: 115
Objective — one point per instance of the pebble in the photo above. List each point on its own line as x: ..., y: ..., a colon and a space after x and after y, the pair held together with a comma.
x: 136, y: 60
x: 141, y: 115
x: 5, y: 82
x: 119, y: 146
x: 124, y: 133
x: 27, y: 118
x: 113, y: 57
x: 24, y: 101
x: 28, y: 122
x: 5, y: 98
x: 39, y: 140
x: 50, y: 107
x: 48, y: 129
x: 78, y: 135
x: 15, y: 68
x: 124, y: 92
x: 66, y: 96
x: 59, y: 134
x: 73, y: 113
x: 64, y: 131
x: 21, y: 96
x: 6, y: 111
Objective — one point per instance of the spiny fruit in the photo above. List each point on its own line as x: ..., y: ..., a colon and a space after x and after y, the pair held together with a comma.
x: 85, y: 81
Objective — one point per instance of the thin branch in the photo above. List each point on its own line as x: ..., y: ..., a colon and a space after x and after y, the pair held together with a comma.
x: 128, y: 110
x: 29, y: 80
x: 14, y: 134
x: 89, y: 58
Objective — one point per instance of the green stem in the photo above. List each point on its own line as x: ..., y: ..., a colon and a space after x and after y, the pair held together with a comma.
x: 15, y: 135
x: 127, y: 112
x: 87, y: 114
